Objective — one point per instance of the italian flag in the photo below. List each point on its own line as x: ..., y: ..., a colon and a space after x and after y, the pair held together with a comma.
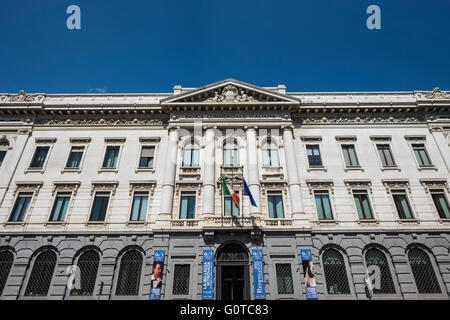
x: 227, y: 191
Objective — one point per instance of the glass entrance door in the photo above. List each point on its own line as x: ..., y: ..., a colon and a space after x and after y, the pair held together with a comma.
x: 233, y: 282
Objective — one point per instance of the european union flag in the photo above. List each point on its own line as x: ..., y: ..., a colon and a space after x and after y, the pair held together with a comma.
x: 249, y: 194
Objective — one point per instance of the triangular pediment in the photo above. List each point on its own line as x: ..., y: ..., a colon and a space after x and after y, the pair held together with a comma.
x: 230, y: 92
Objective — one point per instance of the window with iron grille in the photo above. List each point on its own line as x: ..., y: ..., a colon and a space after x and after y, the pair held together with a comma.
x: 21, y: 207
x: 39, y: 157
x: 423, y: 272
x: 375, y: 257
x: 129, y: 279
x: 181, y: 279
x: 384, y: 151
x: 41, y: 274
x: 362, y: 204
x: 6, y: 261
x: 88, y: 267
x: 335, y: 272
x: 284, y: 279
x: 402, y: 204
x: 351, y: 160
x: 421, y: 155
x: 441, y: 203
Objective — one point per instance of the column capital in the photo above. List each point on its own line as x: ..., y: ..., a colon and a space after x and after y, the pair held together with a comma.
x: 288, y: 127
x: 255, y: 127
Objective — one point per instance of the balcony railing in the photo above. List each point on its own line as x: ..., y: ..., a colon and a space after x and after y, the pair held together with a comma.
x: 230, y: 222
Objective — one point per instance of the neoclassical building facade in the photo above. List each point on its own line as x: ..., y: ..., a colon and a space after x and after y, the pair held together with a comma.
x: 103, y: 181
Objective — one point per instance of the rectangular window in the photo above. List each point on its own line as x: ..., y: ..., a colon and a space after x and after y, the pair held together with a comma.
x: 284, y: 279
x: 2, y: 156
x: 402, y: 204
x: 75, y: 156
x: 323, y: 205
x: 362, y: 204
x: 139, y: 207
x: 441, y: 203
x: 187, y: 207
x: 147, y: 156
x: 100, y: 206
x: 60, y: 207
x: 270, y: 157
x: 275, y: 202
x: 111, y: 156
x: 231, y: 157
x: 386, y: 157
x: 21, y: 207
x: 181, y: 279
x: 229, y: 207
x: 350, y: 155
x: 313, y: 153
x: 191, y: 157
x: 39, y: 157
x: 421, y: 155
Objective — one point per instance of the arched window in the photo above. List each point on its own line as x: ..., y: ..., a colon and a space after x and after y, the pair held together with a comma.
x: 375, y: 257
x: 230, y: 153
x: 191, y: 154
x: 6, y: 261
x: 270, y: 154
x: 423, y: 272
x: 88, y: 267
x: 335, y: 272
x: 129, y: 278
x: 4, y: 145
x: 41, y: 274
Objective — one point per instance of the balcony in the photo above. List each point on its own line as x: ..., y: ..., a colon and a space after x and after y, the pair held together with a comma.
x: 230, y: 222
x: 272, y: 173
x: 278, y: 223
x: 189, y: 173
x: 184, y: 223
x: 229, y: 170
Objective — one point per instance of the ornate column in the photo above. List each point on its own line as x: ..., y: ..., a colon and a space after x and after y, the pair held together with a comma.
x: 292, y: 172
x: 253, y: 169
x: 209, y: 172
x: 170, y: 169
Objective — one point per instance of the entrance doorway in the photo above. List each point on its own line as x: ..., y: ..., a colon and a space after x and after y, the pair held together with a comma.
x: 233, y: 273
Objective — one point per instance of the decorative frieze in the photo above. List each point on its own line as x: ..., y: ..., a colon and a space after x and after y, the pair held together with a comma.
x: 66, y: 186
x: 115, y: 140
x: 434, y: 183
x: 22, y: 96
x: 231, y: 94
x: 319, y: 184
x: 354, y: 119
x: 435, y: 94
x: 97, y: 121
x: 380, y: 138
x: 149, y: 139
x: 80, y: 140
x: 358, y: 184
x: 104, y: 186
x: 45, y: 140
x: 415, y: 138
x: 396, y: 184
x: 345, y: 138
x: 148, y: 185
x: 311, y: 138
x: 28, y: 186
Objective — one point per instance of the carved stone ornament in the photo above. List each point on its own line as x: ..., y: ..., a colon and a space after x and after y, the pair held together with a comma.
x: 147, y: 186
x: 358, y: 184
x: 394, y: 184
x: 95, y: 121
x: 66, y: 186
x: 319, y: 185
x: 434, y: 183
x: 24, y: 97
x: 104, y: 186
x: 437, y: 94
x: 231, y: 94
x: 357, y: 119
x: 28, y: 187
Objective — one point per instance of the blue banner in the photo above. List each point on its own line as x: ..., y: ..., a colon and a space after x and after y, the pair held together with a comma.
x: 207, y: 274
x: 157, y: 274
x: 258, y: 274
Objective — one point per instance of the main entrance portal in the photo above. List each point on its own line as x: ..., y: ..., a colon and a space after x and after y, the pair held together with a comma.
x: 233, y: 273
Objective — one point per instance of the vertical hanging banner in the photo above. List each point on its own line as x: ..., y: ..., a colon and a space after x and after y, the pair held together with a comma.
x: 308, y: 271
x: 258, y: 274
x: 207, y: 274
x: 157, y: 275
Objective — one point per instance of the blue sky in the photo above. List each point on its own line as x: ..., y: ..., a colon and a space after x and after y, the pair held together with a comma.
x: 150, y: 46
